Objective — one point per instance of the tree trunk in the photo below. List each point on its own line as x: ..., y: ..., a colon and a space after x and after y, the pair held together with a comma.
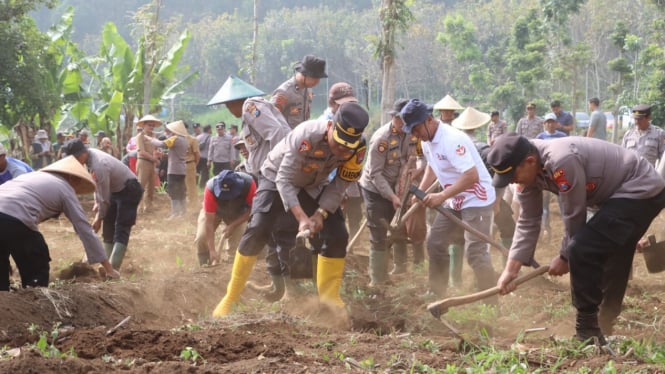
x: 388, y: 17
x: 22, y: 129
x: 255, y: 40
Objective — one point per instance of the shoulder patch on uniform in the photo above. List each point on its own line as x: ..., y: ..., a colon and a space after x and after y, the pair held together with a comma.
x: 559, y: 177
x: 305, y: 146
x: 558, y: 173
x: 251, y: 109
x: 460, y: 150
x: 383, y: 146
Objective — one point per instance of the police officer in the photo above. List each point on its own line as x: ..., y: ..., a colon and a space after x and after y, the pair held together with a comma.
x: 583, y: 173
x: 389, y: 152
x: 467, y: 192
x: 645, y: 138
x: 204, y: 141
x: 263, y: 126
x: 116, y: 199
x: 220, y: 150
x: 294, y: 187
x: 294, y: 97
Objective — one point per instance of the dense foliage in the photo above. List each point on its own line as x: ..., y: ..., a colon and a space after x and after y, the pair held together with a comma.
x: 493, y: 54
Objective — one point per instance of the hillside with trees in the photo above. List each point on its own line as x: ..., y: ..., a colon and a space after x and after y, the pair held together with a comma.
x: 493, y: 54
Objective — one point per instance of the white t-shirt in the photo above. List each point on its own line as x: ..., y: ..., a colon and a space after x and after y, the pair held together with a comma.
x: 450, y: 153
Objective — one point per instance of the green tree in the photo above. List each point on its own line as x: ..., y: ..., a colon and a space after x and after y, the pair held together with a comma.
x: 395, y: 16
x: 525, y: 65
x: 26, y: 94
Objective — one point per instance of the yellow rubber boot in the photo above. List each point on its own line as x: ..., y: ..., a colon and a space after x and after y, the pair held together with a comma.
x: 242, y: 267
x: 329, y: 280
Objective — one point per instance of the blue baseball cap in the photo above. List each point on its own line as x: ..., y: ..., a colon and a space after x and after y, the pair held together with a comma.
x: 414, y: 113
x: 228, y: 185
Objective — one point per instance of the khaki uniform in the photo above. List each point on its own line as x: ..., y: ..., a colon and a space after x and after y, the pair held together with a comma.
x: 496, y: 129
x: 529, y: 127
x: 263, y: 127
x: 296, y: 173
x: 146, y: 172
x: 583, y: 173
x: 191, y: 157
x: 649, y: 143
x: 293, y: 102
x: 389, y: 154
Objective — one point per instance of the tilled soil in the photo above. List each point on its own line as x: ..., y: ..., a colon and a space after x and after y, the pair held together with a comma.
x: 169, y: 300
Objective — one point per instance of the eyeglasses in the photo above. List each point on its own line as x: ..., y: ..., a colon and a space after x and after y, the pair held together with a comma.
x: 530, y: 108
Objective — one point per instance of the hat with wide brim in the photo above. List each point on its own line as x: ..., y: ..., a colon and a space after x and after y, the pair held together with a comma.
x: 234, y: 89
x: 178, y: 128
x: 448, y: 103
x: 312, y: 66
x: 471, y: 119
x: 148, y: 118
x: 83, y: 184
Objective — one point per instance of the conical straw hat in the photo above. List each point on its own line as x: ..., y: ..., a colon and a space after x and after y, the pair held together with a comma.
x: 84, y: 184
x: 148, y: 118
x: 448, y: 103
x: 234, y: 89
x: 177, y: 127
x: 470, y: 119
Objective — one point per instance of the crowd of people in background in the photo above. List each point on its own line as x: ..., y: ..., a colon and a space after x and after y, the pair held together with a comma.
x: 281, y: 175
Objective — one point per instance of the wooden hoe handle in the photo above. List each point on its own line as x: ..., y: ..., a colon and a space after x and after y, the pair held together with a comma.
x: 440, y: 307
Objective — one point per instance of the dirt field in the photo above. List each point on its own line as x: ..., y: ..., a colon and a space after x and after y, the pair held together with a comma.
x: 170, y: 299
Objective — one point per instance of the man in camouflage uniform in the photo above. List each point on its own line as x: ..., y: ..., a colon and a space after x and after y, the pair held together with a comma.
x: 390, y: 150
x: 293, y: 98
x: 583, y: 173
x: 294, y: 187
x: 645, y: 138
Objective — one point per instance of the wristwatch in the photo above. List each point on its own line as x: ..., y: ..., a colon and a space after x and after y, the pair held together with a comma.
x: 323, y: 213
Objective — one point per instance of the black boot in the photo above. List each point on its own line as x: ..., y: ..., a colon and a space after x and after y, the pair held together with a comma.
x: 587, y: 329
